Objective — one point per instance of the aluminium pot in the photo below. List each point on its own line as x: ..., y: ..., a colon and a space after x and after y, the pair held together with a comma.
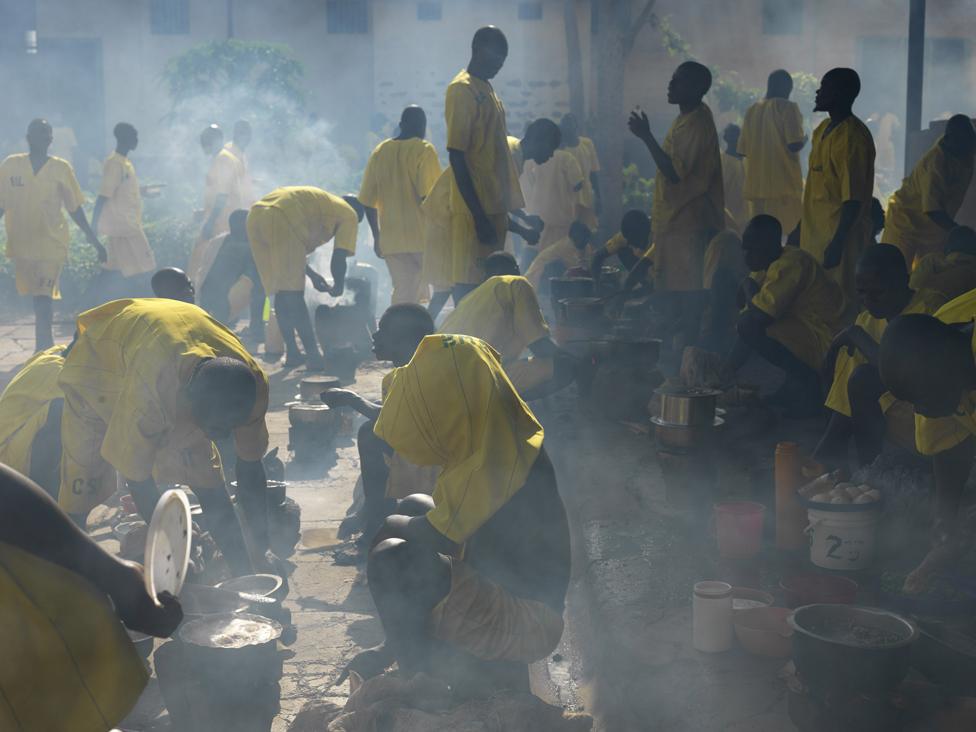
x: 580, y: 310
x: 845, y: 650
x: 688, y: 407
x: 321, y: 415
x: 684, y: 437
x: 563, y: 287
x: 311, y: 387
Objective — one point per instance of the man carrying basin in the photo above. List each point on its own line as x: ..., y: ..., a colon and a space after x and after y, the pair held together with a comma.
x: 148, y: 385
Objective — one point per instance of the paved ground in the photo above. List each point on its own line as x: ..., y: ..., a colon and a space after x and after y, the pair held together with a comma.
x: 626, y: 655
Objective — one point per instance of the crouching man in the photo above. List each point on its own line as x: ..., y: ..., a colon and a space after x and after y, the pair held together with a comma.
x: 469, y: 584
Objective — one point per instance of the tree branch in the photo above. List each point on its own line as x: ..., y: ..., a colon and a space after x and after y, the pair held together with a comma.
x: 637, y: 25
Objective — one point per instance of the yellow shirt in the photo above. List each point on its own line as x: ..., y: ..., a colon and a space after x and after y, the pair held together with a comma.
x: 34, y: 219
x: 315, y: 216
x: 696, y: 202
x: 733, y: 178
x: 924, y: 302
x: 131, y: 363
x: 122, y: 213
x: 724, y: 251
x: 565, y: 251
x: 796, y: 289
x: 476, y: 126
x: 617, y: 242
x: 398, y: 176
x: 938, y: 182
x: 585, y: 153
x: 454, y: 406
x: 223, y: 179
x: 247, y: 182
x: 67, y: 661
x: 554, y: 194
x: 935, y: 435
x: 515, y: 147
x: 24, y: 406
x: 841, y: 170
x: 503, y: 311
x: 436, y: 209
x: 772, y: 171
x: 951, y: 274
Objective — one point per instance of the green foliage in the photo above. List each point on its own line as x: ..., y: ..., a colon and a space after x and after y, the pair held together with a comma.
x: 638, y: 192
x: 236, y: 79
x: 672, y: 41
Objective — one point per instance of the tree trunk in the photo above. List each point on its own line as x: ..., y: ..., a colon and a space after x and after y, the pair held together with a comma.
x: 574, y: 58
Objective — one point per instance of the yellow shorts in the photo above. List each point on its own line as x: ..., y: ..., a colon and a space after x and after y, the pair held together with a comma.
x: 405, y: 478
x: 679, y: 260
x: 482, y: 618
x: 406, y: 270
x: 38, y: 277
x: 438, y: 269
x: 468, y: 254
x: 279, y: 256
x: 87, y: 479
x: 807, y: 343
x: 129, y: 255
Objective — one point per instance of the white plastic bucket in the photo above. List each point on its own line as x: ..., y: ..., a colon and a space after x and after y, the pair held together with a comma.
x: 842, y: 540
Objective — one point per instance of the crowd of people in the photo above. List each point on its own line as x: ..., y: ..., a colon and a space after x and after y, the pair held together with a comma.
x: 463, y: 530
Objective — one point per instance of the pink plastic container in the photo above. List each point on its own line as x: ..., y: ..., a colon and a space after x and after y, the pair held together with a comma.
x: 739, y: 528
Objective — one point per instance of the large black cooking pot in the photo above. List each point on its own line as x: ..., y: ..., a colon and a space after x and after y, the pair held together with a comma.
x: 562, y: 287
x: 845, y: 650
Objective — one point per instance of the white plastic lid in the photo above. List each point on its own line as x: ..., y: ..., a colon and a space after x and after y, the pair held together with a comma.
x: 168, y: 544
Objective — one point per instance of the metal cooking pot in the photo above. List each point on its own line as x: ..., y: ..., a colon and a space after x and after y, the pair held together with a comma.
x: 843, y: 650
x: 581, y: 309
x: 563, y: 287
x: 231, y: 642
x: 300, y: 413
x: 688, y: 407
x: 263, y: 585
x: 311, y: 387
x: 684, y: 437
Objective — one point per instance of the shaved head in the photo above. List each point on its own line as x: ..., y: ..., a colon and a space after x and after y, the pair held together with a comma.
x: 39, y: 135
x: 699, y: 73
x: 223, y: 394
x: 927, y: 363
x: 172, y: 283
x: 779, y: 85
x: 413, y: 122
x: 490, y: 37
x: 960, y: 137
x: 501, y: 263
x: 400, y: 330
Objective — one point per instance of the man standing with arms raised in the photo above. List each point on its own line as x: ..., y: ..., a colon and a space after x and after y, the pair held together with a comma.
x: 34, y: 188
x: 486, y: 183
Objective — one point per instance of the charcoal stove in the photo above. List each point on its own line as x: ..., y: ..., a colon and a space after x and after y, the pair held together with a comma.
x: 312, y: 431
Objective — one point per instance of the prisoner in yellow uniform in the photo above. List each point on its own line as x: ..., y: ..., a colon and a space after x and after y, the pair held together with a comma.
x: 290, y: 223
x: 585, y: 153
x: 37, y: 233
x: 688, y: 213
x: 223, y: 187
x: 477, y: 128
x: 504, y: 312
x: 67, y: 661
x: 438, y: 267
x: 841, y: 170
x: 733, y: 181
x: 24, y: 407
x: 937, y: 184
x: 952, y: 274
x: 773, y: 181
x: 126, y: 406
x: 899, y: 414
x: 496, y: 497
x: 398, y: 177
x: 554, y: 194
x: 565, y: 251
x: 120, y: 219
x: 805, y: 303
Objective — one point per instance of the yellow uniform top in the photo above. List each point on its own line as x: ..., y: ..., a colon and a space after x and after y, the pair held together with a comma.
x: 696, y: 202
x: 67, y: 661
x: 476, y: 126
x: 924, y: 302
x: 935, y: 435
x: 733, y: 180
x: 243, y: 174
x: 796, y: 288
x: 772, y: 171
x: 564, y: 250
x: 314, y: 216
x: 554, y: 192
x: 223, y: 179
x: 122, y: 213
x: 585, y: 154
x: 617, y: 242
x: 724, y: 252
x: 438, y: 269
x: 503, y: 311
x: 515, y: 147
x: 398, y: 176
x: 24, y: 406
x: 454, y: 406
x: 841, y: 170
x: 131, y: 363
x: 36, y: 228
x: 938, y: 182
x: 951, y: 274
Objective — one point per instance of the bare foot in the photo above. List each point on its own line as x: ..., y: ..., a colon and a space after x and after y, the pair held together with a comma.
x: 936, y: 559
